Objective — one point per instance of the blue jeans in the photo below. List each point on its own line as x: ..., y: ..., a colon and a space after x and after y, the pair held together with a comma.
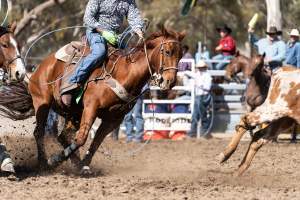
x: 221, y: 65
x: 200, y: 112
x: 98, y: 53
x: 52, y: 121
x: 138, y: 120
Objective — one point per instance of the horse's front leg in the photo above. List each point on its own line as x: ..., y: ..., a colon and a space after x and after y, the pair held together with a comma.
x: 105, y: 128
x: 39, y: 132
x: 65, y: 139
x: 87, y: 120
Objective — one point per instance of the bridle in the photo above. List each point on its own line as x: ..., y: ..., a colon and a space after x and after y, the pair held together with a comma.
x: 156, y: 76
x: 6, y: 63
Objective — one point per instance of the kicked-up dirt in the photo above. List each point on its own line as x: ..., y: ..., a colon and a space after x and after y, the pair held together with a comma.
x: 161, y: 170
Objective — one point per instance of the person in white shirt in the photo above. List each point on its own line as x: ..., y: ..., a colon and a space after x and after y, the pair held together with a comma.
x: 202, y: 84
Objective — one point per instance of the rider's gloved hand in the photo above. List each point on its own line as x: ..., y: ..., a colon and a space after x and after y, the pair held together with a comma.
x: 110, y: 37
x: 140, y: 34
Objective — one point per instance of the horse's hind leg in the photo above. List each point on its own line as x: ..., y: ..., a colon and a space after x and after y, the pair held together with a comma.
x: 104, y: 129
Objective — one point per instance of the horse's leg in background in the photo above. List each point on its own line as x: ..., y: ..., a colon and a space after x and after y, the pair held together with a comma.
x: 294, y: 133
x: 87, y: 120
x: 105, y: 128
x: 65, y: 139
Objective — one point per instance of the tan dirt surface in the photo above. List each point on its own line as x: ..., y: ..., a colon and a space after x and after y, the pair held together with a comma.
x: 161, y: 170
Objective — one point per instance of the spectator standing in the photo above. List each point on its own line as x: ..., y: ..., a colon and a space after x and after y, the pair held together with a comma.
x: 272, y: 46
x: 183, y: 66
x: 52, y: 123
x: 135, y: 119
x: 226, y: 47
x: 293, y: 49
x: 202, y: 83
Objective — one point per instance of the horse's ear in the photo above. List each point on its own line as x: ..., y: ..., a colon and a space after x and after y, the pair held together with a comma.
x: 164, y: 31
x: 237, y: 53
x: 12, y: 27
x: 264, y: 55
x: 182, y: 35
x: 151, y: 45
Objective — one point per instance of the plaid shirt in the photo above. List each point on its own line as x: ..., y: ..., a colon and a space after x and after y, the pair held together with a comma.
x: 109, y: 14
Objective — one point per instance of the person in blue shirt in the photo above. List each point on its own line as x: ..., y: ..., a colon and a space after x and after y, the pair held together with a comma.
x: 293, y: 49
x: 272, y: 46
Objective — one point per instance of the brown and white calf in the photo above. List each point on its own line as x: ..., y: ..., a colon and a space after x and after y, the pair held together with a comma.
x: 280, y: 109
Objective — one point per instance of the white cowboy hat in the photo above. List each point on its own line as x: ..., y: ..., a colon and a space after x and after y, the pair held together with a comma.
x: 294, y: 32
x: 201, y: 64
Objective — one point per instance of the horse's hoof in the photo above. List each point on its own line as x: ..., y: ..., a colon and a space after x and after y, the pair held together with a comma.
x: 221, y: 158
x: 13, y: 177
x: 86, y: 171
x: 54, y: 161
x: 8, y: 165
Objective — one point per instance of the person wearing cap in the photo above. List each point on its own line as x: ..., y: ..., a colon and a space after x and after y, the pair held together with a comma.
x: 272, y: 46
x: 293, y: 49
x: 202, y: 84
x: 226, y: 47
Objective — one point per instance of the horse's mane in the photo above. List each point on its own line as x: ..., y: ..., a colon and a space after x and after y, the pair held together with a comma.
x: 140, y: 47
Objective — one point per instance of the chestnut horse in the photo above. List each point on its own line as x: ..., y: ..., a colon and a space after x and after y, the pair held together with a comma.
x: 160, y: 54
x: 10, y: 57
x: 239, y: 63
x: 259, y: 83
x: 258, y: 78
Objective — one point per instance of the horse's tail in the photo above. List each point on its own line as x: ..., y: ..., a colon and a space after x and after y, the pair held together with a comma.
x: 15, y: 101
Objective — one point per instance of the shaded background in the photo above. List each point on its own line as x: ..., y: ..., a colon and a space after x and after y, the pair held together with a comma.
x: 200, y: 23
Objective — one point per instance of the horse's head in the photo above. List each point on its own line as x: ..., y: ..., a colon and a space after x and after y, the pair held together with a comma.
x: 257, y: 65
x: 237, y: 64
x: 258, y: 86
x: 10, y: 57
x: 165, y: 56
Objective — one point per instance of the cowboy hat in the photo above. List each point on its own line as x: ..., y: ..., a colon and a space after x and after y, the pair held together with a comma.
x: 224, y: 28
x: 294, y: 32
x: 273, y: 30
x: 201, y: 64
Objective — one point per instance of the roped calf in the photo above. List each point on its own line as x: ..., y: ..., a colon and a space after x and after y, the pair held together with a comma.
x: 280, y: 109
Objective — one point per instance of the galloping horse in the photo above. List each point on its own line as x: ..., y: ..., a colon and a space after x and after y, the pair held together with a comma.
x: 10, y: 57
x: 160, y: 54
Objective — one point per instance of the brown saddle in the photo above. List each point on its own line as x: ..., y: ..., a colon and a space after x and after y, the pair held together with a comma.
x: 71, y: 54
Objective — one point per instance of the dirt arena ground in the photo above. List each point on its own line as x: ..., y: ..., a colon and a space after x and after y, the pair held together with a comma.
x: 166, y: 170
